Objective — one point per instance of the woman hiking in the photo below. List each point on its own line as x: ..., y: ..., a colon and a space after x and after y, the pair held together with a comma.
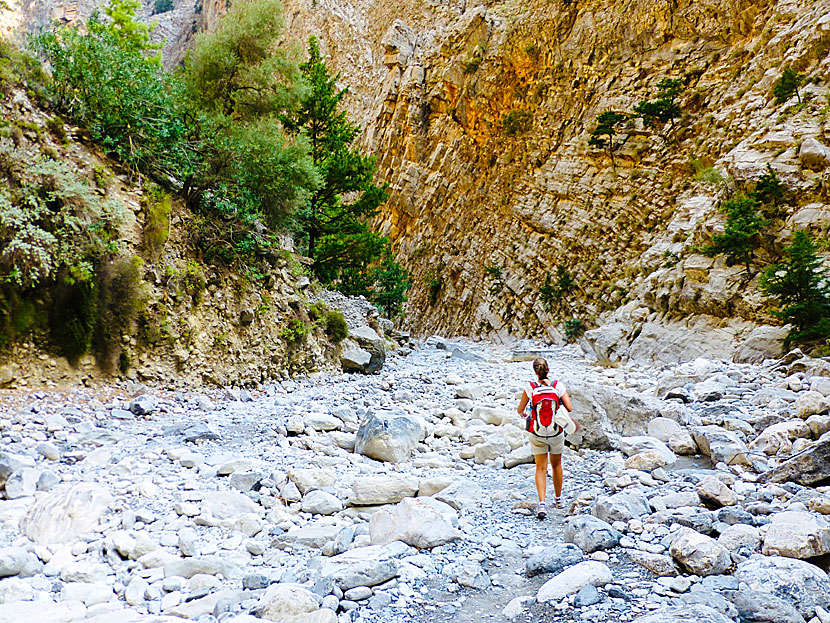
x: 546, y: 436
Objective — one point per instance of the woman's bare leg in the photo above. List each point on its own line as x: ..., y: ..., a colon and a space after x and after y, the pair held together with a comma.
x: 556, y: 463
x: 542, y: 475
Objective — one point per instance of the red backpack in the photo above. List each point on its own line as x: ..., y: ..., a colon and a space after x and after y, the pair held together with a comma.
x: 543, y: 401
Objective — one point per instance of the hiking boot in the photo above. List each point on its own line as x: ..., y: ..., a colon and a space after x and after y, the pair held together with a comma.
x: 541, y: 513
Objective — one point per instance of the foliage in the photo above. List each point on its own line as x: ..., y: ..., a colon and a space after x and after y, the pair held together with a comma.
x: 787, y: 85
x: 434, y: 283
x: 336, y: 327
x: 252, y: 169
x: 19, y: 68
x: 239, y: 71
x: 768, y: 189
x: 103, y: 81
x: 134, y: 34
x: 391, y: 282
x: 551, y: 293
x: 663, y: 109
x: 495, y: 272
x: 57, y: 128
x: 295, y: 332
x: 52, y: 223
x: 704, y: 172
x: 603, y: 135
x: 573, y: 329
x: 739, y: 237
x: 162, y: 6
x: 334, y: 222
x: 472, y: 65
x: 802, y: 287
x: 517, y: 122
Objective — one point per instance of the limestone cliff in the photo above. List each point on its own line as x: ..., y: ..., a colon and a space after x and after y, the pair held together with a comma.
x: 468, y: 195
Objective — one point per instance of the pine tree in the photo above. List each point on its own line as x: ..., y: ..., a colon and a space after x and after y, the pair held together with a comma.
x: 802, y: 288
x: 768, y: 189
x: 603, y: 135
x: 336, y: 229
x: 743, y: 224
x: 663, y: 109
x: 787, y: 86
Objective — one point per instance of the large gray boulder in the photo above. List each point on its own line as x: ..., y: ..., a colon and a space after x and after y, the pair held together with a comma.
x: 813, y: 154
x: 800, y: 583
x: 797, y: 534
x: 386, y: 436
x: 763, y: 342
x: 367, y: 339
x: 590, y: 533
x: 63, y: 516
x: 621, y: 506
x: 365, y: 566
x: 553, y: 559
x: 700, y: 554
x: 720, y: 445
x: 605, y: 413
x: 808, y: 468
x: 420, y: 522
x: 391, y: 489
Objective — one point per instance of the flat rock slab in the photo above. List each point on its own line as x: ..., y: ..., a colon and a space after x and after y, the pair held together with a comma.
x: 64, y: 516
x: 808, y: 469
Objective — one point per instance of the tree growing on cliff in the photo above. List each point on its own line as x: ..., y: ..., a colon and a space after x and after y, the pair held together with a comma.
x: 802, y: 287
x: 335, y: 219
x: 603, y: 136
x: 663, y: 109
x: 740, y: 235
x: 787, y: 85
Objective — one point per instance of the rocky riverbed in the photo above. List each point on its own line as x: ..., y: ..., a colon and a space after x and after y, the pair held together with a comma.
x: 695, y: 492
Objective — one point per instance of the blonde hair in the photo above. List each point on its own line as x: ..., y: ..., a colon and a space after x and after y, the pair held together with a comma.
x: 540, y: 367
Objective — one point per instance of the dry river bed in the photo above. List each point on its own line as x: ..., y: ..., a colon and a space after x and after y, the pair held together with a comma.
x: 408, y: 495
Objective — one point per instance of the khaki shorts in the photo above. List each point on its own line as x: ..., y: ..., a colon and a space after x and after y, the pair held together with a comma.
x: 545, y: 445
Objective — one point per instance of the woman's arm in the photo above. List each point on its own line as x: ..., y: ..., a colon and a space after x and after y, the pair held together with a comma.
x: 522, y: 404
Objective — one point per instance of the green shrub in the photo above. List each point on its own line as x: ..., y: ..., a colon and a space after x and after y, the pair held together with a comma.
x: 533, y: 51
x: 517, y: 122
x: 550, y: 293
x: 390, y: 284
x: 740, y: 235
x: 573, y: 329
x: 495, y: 273
x: 787, y: 85
x: 768, y: 189
x: 435, y: 283
x: 295, y: 332
x: 194, y: 282
x: 162, y: 6
x: 472, y: 65
x: 336, y: 327
x: 663, y: 109
x: 104, y: 82
x: 802, y: 287
x: 52, y: 223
